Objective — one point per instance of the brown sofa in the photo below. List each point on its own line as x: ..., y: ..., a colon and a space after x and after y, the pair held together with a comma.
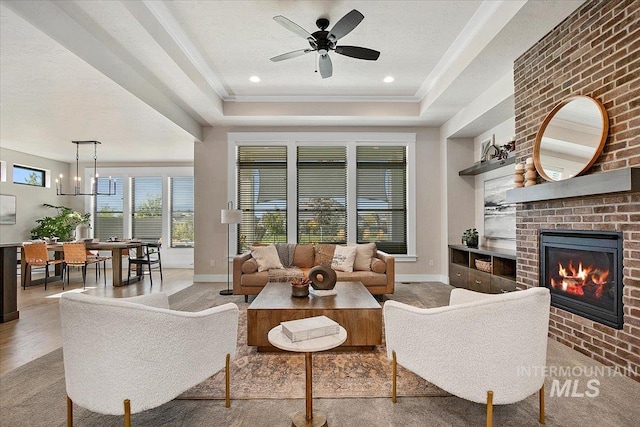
x: 247, y: 281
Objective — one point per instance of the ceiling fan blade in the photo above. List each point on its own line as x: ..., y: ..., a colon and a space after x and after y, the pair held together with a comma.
x: 326, y: 68
x: 345, y: 25
x: 292, y: 54
x: 293, y: 27
x: 358, y: 52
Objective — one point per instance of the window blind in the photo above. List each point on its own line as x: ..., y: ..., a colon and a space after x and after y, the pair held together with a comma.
x: 108, y: 210
x: 262, y: 195
x: 381, y: 194
x: 322, y: 194
x: 146, y: 203
x: 182, y: 211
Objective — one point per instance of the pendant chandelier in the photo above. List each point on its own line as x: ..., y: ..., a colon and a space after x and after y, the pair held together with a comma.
x: 77, y: 187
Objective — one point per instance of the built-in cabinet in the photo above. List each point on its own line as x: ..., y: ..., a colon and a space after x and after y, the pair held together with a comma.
x: 464, y: 271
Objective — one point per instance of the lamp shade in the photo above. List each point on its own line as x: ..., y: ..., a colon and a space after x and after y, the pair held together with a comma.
x: 231, y: 216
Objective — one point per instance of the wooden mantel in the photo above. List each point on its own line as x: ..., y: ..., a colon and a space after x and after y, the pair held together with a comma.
x: 615, y: 181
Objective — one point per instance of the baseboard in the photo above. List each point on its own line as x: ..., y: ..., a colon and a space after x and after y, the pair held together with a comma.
x: 422, y: 278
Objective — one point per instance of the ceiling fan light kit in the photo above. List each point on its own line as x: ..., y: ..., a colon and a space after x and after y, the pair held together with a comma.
x: 323, y: 41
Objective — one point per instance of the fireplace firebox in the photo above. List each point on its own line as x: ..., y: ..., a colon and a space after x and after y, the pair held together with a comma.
x: 583, y: 271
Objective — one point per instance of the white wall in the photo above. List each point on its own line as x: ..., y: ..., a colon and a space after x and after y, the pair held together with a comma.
x: 29, y: 199
x: 211, y: 168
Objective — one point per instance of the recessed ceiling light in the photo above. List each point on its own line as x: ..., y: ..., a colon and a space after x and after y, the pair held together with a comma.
x: 254, y: 79
x: 388, y: 79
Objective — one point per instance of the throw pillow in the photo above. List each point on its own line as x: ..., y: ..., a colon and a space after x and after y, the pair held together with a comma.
x: 266, y: 257
x: 304, y: 256
x: 249, y: 266
x: 364, y: 256
x: 323, y: 254
x: 378, y: 266
x: 343, y: 258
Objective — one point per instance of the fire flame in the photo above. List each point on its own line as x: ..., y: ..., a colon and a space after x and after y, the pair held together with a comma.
x: 574, y: 280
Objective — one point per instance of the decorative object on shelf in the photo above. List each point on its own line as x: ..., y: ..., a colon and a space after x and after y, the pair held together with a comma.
x: 530, y: 173
x: 229, y: 216
x: 470, y: 238
x: 518, y: 177
x: 322, y: 277
x: 499, y: 216
x: 487, y: 146
x: 77, y: 188
x: 483, y: 265
x: 60, y: 226
x: 571, y: 138
x: 300, y: 288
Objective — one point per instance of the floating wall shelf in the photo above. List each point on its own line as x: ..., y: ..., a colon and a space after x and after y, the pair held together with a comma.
x: 487, y: 166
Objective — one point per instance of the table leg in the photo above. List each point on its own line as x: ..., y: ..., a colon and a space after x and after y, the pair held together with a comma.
x: 309, y: 419
x: 116, y: 266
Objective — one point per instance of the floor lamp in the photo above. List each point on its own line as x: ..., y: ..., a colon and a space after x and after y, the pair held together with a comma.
x: 229, y: 216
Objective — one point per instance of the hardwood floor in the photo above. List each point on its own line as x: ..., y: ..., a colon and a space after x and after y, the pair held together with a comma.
x: 37, y: 331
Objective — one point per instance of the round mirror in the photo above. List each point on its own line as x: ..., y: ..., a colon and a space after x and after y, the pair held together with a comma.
x: 571, y: 138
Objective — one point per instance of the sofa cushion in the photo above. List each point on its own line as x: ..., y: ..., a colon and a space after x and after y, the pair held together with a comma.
x: 378, y: 266
x: 323, y: 254
x: 369, y: 278
x: 266, y: 257
x: 249, y: 266
x: 304, y: 256
x: 364, y: 255
x: 343, y: 258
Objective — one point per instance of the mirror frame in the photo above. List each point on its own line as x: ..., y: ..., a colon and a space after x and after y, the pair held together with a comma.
x: 547, y: 120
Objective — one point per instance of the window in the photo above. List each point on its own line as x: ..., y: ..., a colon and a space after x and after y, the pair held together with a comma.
x: 381, y: 194
x: 28, y: 176
x: 322, y: 194
x: 262, y: 195
x: 109, y: 211
x: 332, y: 187
x: 182, y: 210
x: 146, y: 203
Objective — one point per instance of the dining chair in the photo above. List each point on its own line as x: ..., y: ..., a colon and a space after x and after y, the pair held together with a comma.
x: 98, y: 257
x: 37, y: 255
x: 75, y: 255
x: 148, y: 254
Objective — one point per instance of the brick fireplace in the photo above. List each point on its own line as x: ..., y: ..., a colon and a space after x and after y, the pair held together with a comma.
x: 594, y: 52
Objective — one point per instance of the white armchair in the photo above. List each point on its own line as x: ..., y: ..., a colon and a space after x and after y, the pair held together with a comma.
x: 127, y: 355
x: 484, y: 348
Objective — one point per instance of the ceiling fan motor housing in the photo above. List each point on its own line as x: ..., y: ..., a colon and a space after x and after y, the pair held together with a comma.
x: 322, y: 42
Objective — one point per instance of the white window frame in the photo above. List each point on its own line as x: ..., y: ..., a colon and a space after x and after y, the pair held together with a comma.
x: 348, y: 139
x: 171, y: 257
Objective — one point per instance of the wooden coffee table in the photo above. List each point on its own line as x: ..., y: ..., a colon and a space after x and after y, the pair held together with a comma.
x: 354, y: 308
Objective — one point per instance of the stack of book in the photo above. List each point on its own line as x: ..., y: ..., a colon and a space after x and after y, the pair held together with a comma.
x: 309, y: 328
x: 322, y: 292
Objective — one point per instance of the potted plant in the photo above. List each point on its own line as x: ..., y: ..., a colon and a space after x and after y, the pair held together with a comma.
x: 60, y: 226
x: 470, y: 238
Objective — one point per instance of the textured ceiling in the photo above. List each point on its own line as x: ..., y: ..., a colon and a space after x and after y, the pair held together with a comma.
x: 150, y: 73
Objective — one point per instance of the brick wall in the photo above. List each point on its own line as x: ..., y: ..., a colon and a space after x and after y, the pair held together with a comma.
x: 594, y: 52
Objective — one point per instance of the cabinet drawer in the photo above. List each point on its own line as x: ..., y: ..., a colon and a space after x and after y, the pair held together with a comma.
x: 502, y: 284
x: 458, y: 275
x: 479, y: 281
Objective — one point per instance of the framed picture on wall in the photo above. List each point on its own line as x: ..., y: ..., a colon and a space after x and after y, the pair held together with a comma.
x: 499, y: 216
x: 7, y: 209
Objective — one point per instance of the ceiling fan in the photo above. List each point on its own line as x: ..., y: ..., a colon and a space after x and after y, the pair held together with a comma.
x: 323, y: 41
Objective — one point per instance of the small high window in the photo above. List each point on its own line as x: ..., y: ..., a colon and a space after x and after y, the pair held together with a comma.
x: 28, y: 176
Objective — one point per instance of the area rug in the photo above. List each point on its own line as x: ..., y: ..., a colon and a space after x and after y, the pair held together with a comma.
x: 281, y: 375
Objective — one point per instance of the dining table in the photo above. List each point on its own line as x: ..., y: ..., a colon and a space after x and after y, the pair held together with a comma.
x: 117, y: 249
